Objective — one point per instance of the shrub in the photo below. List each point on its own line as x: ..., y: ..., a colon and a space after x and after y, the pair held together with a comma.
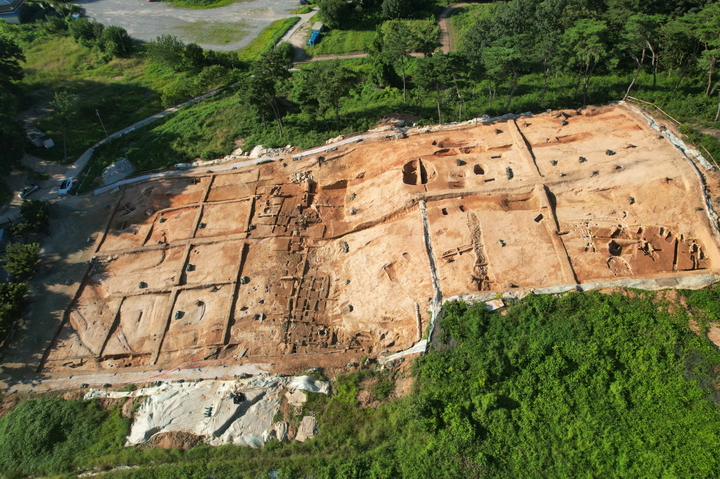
x: 21, y: 259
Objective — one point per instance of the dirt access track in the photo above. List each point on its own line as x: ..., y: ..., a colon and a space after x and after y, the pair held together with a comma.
x: 332, y: 256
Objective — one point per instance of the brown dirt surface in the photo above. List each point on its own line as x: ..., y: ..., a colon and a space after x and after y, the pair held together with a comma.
x: 74, y: 394
x: 108, y: 403
x: 403, y: 386
x: 714, y: 334
x: 366, y: 399
x: 127, y: 407
x: 175, y: 440
x: 8, y: 403
x: 325, y: 260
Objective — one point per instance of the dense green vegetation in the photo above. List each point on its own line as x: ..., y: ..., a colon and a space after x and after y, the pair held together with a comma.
x: 52, y: 436
x: 553, y: 386
x: 463, y: 18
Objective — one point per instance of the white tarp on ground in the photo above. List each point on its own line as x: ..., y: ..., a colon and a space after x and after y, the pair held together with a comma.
x: 208, y: 409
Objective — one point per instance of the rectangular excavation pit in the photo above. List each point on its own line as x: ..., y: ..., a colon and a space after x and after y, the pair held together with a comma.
x: 260, y: 337
x: 173, y: 225
x: 212, y: 263
x: 233, y: 186
x: 132, y: 272
x: 198, y: 318
x: 224, y: 219
x: 82, y: 337
x: 513, y: 241
x: 140, y: 325
x: 139, y: 203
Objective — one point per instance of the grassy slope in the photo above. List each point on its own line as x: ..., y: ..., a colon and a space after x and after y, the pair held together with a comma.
x: 123, y: 90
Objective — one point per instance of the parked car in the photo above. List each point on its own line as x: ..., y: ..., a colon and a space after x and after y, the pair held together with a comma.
x: 66, y: 186
x: 304, y: 2
x: 29, y: 190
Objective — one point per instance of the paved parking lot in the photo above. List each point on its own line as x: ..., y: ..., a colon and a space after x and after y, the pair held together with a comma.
x: 146, y: 20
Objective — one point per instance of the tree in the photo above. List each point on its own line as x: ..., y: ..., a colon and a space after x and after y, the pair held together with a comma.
x: 267, y: 71
x: 21, y: 259
x: 12, y: 136
x: 82, y: 31
x: 10, y: 57
x: 397, y: 9
x: 459, y: 65
x: 212, y: 76
x: 12, y: 296
x: 679, y: 46
x: 476, y: 40
x: 193, y: 57
x: 65, y: 105
x: 87, y: 33
x: 706, y: 26
x: 397, y: 45
x: 167, y: 50
x: 638, y: 36
x: 334, y: 12
x: 432, y: 73
x: 35, y: 214
x: 329, y: 83
x: 117, y: 42
x: 502, y: 60
x: 587, y: 45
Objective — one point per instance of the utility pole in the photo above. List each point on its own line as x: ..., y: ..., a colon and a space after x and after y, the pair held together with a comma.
x: 103, y: 126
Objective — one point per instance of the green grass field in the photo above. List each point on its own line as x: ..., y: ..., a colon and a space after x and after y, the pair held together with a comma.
x: 339, y: 42
x: 220, y: 33
x: 200, y: 4
x: 267, y: 38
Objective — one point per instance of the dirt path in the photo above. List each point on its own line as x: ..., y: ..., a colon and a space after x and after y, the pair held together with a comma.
x: 445, y: 37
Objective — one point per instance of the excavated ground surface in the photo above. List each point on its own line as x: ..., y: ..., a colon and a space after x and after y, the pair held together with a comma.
x: 323, y: 259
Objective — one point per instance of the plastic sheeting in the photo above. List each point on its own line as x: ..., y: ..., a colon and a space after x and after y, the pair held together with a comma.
x: 224, y: 412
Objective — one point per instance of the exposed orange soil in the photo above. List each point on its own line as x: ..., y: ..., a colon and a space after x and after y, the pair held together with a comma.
x: 313, y: 261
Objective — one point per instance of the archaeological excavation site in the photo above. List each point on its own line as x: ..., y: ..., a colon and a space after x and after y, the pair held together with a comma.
x: 343, y: 252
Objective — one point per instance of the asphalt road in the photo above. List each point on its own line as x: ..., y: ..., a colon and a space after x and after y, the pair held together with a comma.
x: 146, y: 20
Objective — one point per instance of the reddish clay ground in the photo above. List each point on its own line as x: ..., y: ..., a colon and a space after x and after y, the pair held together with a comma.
x: 317, y: 260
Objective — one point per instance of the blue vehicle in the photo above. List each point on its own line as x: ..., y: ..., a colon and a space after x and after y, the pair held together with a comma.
x: 315, y: 33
